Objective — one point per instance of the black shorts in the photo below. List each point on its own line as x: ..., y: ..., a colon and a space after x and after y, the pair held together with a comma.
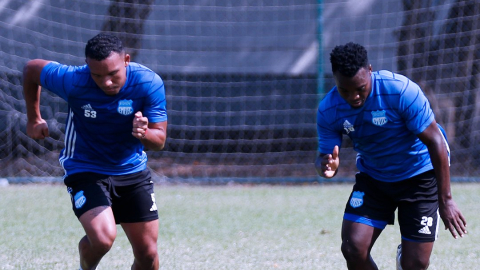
x: 131, y: 196
x: 374, y: 202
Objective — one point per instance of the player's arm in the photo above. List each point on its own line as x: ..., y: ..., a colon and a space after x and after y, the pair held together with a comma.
x: 449, y: 212
x: 327, y: 164
x: 152, y: 135
x: 36, y: 127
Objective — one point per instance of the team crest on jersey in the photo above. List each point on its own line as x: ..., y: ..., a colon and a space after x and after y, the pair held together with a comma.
x: 357, y: 199
x: 348, y: 127
x: 125, y: 107
x: 379, y: 118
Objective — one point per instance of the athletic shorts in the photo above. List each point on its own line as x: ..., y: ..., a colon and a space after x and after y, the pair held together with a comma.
x: 374, y: 202
x: 131, y: 196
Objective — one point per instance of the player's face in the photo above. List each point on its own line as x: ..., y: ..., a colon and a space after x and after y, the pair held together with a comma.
x: 110, y: 74
x: 356, y: 89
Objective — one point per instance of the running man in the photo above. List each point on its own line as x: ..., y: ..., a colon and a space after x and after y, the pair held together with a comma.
x: 402, y: 160
x: 116, y: 109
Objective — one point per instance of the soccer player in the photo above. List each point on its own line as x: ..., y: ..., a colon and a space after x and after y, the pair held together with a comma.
x: 116, y: 109
x: 402, y: 160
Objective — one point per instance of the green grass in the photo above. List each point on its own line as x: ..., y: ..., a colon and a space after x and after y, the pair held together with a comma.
x: 221, y: 227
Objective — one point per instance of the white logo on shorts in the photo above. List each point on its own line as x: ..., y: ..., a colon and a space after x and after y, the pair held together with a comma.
x: 426, y: 222
x: 425, y: 230
x: 154, y: 206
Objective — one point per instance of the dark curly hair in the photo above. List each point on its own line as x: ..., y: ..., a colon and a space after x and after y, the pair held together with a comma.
x: 102, y: 45
x: 348, y: 59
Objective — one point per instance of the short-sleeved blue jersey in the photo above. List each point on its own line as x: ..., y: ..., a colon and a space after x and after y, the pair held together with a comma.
x: 383, y: 131
x: 98, y: 131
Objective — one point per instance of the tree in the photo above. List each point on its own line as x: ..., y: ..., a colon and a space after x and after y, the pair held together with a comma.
x: 126, y: 19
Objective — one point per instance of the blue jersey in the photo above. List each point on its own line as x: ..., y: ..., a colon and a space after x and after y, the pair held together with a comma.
x: 383, y: 131
x: 98, y: 131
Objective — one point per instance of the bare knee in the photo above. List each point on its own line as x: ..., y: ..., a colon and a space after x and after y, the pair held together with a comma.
x: 415, y: 263
x: 103, y: 246
x: 416, y: 255
x: 352, y: 252
x: 147, y: 255
x: 98, y: 244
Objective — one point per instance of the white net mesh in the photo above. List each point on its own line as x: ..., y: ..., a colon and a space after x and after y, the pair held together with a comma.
x: 242, y: 77
x: 436, y: 44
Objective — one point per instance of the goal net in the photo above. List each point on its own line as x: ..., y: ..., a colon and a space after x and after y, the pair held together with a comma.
x: 243, y: 78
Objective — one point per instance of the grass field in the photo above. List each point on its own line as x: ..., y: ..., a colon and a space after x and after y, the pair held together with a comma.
x: 221, y: 227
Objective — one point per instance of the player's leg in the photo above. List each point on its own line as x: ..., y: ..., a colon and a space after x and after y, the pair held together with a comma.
x: 91, y: 205
x: 143, y: 237
x: 136, y: 211
x: 415, y: 255
x: 419, y: 220
x: 368, y: 211
x: 100, y: 229
x: 357, y: 242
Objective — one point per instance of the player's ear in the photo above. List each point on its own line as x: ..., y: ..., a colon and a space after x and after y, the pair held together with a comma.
x: 127, y: 59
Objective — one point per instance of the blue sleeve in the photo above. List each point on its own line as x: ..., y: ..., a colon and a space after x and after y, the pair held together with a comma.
x: 156, y: 105
x: 54, y: 77
x: 415, y: 108
x: 327, y: 136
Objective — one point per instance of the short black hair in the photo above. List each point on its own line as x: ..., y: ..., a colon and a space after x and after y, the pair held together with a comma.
x: 102, y: 45
x: 348, y: 59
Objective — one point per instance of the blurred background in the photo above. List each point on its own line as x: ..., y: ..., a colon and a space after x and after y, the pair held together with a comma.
x: 243, y: 78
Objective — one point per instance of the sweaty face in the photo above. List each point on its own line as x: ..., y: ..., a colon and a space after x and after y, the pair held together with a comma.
x: 356, y: 89
x: 110, y: 73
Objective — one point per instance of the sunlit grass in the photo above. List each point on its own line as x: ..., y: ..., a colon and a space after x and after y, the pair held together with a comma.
x: 221, y: 227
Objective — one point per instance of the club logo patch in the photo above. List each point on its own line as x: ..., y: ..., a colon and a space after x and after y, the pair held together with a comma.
x: 80, y: 199
x: 379, y: 118
x: 357, y: 199
x: 125, y: 107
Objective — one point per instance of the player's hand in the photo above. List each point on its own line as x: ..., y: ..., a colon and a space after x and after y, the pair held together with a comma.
x: 140, y: 126
x: 330, y: 162
x: 37, y: 129
x: 453, y: 218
